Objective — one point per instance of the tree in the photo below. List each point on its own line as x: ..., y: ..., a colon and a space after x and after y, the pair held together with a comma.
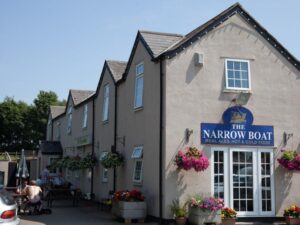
x: 22, y: 125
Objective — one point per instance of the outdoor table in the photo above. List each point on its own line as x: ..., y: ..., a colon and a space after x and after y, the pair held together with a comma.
x: 62, y: 194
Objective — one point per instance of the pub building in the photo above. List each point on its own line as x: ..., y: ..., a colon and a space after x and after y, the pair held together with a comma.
x: 228, y: 88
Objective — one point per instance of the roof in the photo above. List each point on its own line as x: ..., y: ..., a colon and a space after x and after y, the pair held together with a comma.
x: 204, y: 29
x: 116, y: 68
x: 158, y: 42
x: 57, y: 111
x: 78, y: 96
x: 51, y: 148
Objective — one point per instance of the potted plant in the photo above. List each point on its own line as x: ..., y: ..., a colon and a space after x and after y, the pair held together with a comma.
x: 112, y: 160
x: 290, y: 160
x: 129, y: 205
x: 180, y: 212
x: 292, y: 215
x: 192, y: 158
x: 205, y: 210
x: 228, y: 216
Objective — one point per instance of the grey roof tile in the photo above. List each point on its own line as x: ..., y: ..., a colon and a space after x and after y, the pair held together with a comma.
x: 79, y: 96
x: 117, y: 68
x: 159, y: 42
x: 56, y: 111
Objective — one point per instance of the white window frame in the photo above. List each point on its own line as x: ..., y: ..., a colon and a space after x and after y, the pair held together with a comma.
x: 85, y: 116
x: 69, y: 125
x: 228, y: 190
x: 139, y: 75
x: 105, y: 106
x: 226, y: 75
x: 138, y: 181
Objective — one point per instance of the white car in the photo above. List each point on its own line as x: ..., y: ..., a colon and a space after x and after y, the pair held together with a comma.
x: 8, y: 209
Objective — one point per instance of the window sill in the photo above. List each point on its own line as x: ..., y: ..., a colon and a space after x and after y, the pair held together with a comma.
x: 138, y: 109
x: 236, y: 91
x: 137, y: 183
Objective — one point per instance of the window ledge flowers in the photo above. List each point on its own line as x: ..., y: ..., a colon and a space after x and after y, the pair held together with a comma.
x: 129, y: 196
x: 292, y: 215
x: 228, y: 216
x: 208, y: 203
x: 192, y: 158
x: 290, y: 160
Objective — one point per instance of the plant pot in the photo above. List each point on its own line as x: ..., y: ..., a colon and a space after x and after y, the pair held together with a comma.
x: 230, y: 221
x: 180, y: 220
x: 292, y: 221
x: 199, y: 216
x: 129, y: 210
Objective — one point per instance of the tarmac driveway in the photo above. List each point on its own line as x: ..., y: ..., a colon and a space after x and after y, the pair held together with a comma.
x: 64, y: 214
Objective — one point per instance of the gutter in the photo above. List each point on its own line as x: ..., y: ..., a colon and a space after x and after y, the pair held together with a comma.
x: 93, y: 146
x: 161, y: 144
x: 115, y: 135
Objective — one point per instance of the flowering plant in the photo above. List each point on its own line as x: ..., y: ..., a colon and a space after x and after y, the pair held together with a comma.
x: 209, y: 203
x: 192, y: 158
x: 228, y: 213
x: 290, y: 160
x: 129, y: 196
x: 292, y: 211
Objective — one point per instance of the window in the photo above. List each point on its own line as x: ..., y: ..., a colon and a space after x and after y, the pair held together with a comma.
x: 105, y: 103
x: 105, y: 170
x: 237, y: 74
x: 137, y: 155
x: 69, y: 128
x: 85, y: 116
x: 139, y: 86
x: 58, y: 131
x: 1, y: 179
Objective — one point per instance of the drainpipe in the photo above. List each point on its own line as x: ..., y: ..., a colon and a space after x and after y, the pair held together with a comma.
x: 161, y: 145
x: 115, y: 136
x: 93, y: 145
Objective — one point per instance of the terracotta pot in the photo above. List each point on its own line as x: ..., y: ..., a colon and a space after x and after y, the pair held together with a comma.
x: 180, y: 220
x: 230, y: 221
x: 292, y: 221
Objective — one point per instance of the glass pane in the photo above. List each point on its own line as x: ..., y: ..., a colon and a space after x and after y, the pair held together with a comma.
x: 243, y: 205
x: 249, y: 157
x: 242, y: 156
x: 221, y: 157
x: 245, y: 84
x: 244, y: 75
x: 237, y: 65
x: 230, y: 83
x: 268, y: 157
x: 216, y: 156
x: 244, y: 66
x: 238, y: 83
x: 236, y: 205
x: 237, y: 75
x: 235, y: 156
x: 235, y: 169
x: 250, y: 205
x: 236, y: 193
x: 139, y: 91
x: 221, y: 170
x: 243, y: 193
x: 229, y: 64
x: 269, y: 206
x: 264, y: 207
x: 216, y: 168
x: 230, y: 74
x: 249, y: 193
x: 216, y: 180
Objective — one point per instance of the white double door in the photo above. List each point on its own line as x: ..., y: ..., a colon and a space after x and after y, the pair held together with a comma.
x: 244, y: 178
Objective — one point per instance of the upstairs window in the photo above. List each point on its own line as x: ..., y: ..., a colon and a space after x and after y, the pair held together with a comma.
x: 69, y: 127
x: 237, y: 74
x: 139, y: 86
x: 105, y: 103
x: 85, y: 116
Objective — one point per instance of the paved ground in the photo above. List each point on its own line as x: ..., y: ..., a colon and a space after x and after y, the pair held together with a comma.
x: 64, y: 214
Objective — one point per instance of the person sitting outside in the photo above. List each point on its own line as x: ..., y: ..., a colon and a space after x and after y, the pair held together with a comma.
x: 33, y: 194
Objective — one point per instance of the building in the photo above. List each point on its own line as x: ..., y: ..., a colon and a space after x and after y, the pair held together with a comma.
x: 228, y: 87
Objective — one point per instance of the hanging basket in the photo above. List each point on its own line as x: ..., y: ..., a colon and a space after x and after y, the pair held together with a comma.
x: 290, y: 160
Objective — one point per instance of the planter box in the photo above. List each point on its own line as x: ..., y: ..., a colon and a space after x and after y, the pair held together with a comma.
x: 130, y: 210
x: 228, y: 221
x: 198, y: 216
x: 292, y: 221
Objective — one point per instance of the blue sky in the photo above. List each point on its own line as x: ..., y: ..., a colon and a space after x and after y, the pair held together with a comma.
x: 62, y: 44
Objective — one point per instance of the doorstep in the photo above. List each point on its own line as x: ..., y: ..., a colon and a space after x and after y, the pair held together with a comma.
x: 260, y: 221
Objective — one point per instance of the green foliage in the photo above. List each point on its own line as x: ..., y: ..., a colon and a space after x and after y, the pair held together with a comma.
x: 178, y: 210
x: 111, y: 160
x: 289, y: 155
x: 75, y: 163
x: 22, y: 125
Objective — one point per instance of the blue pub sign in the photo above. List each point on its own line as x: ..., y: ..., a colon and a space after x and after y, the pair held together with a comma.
x: 237, y: 129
